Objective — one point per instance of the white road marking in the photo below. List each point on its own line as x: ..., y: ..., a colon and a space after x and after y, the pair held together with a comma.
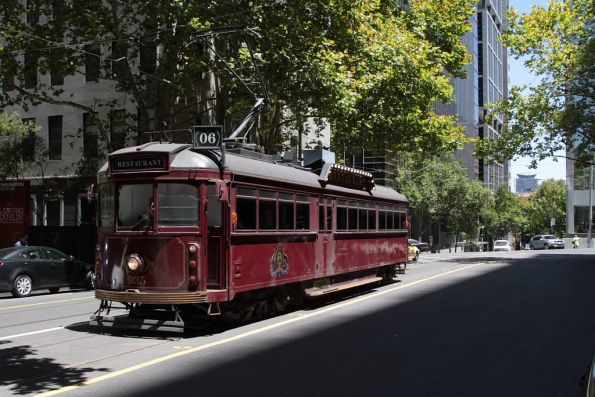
x: 30, y: 333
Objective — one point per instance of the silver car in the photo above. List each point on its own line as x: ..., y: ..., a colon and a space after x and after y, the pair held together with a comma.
x: 545, y: 241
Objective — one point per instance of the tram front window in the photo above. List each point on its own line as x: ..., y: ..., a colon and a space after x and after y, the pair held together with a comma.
x: 135, y: 205
x: 178, y: 204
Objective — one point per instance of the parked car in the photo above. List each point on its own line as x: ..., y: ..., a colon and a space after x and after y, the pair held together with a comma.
x: 24, y: 269
x: 423, y: 247
x: 501, y: 245
x: 545, y: 241
x: 412, y: 252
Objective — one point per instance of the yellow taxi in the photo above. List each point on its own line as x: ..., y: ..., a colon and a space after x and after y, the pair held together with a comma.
x: 412, y: 252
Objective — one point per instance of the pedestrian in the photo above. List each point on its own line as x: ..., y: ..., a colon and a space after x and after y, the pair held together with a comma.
x: 575, y: 242
x: 22, y: 242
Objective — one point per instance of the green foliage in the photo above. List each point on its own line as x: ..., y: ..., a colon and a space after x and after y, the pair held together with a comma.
x: 548, y: 201
x: 559, y: 47
x: 439, y: 190
x: 506, y: 214
x: 13, y: 133
x: 369, y: 69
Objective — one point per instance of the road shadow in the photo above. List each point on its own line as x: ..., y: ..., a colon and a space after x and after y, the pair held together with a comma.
x: 42, y: 374
x: 522, y: 329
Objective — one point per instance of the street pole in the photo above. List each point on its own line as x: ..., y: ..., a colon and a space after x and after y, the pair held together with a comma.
x: 590, y: 204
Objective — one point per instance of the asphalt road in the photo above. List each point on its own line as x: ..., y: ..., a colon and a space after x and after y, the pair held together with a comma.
x: 482, y: 324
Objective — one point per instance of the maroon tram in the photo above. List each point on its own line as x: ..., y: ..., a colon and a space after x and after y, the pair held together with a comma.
x: 236, y: 233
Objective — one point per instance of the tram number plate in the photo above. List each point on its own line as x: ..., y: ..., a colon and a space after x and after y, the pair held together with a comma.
x: 207, y: 136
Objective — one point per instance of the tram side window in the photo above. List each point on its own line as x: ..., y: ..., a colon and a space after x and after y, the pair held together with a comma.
x: 382, y: 220
x: 267, y: 210
x: 398, y: 220
x: 372, y: 218
x: 352, y: 216
x: 321, y: 216
x: 389, y: 220
x: 178, y: 204
x: 341, y: 218
x: 302, y: 212
x: 286, y: 211
x: 246, y: 209
x: 135, y: 205
x: 403, y: 219
x: 106, y: 206
x: 363, y: 217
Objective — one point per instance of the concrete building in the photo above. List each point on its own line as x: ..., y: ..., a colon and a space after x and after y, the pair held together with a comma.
x: 580, y: 197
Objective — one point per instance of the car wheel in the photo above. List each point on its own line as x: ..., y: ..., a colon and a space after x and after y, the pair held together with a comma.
x: 22, y: 286
x: 90, y: 280
x: 54, y: 290
x: 546, y: 247
x: 531, y: 247
x: 416, y: 256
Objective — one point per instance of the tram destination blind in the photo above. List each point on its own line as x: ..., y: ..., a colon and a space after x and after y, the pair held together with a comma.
x: 207, y: 137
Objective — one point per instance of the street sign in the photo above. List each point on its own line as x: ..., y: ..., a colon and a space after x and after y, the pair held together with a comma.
x: 553, y: 222
x: 208, y: 136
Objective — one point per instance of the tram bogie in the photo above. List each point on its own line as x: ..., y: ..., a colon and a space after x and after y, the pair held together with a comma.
x: 183, y: 230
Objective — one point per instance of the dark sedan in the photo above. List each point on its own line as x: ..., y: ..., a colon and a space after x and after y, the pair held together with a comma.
x: 24, y: 269
x: 423, y: 247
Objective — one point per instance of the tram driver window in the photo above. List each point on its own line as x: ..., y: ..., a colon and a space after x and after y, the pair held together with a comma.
x: 135, y: 205
x: 178, y: 204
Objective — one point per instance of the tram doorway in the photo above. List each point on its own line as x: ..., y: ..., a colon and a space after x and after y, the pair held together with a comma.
x: 216, y: 213
x: 326, y: 246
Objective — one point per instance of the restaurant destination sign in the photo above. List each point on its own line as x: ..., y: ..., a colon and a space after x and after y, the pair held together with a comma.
x: 144, y: 163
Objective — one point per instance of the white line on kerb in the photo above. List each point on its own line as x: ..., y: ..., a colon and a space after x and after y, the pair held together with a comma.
x: 30, y: 333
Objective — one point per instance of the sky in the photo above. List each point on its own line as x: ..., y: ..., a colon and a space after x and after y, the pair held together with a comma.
x: 518, y: 76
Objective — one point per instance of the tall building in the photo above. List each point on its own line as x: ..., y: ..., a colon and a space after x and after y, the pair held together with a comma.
x: 580, y: 196
x: 486, y: 82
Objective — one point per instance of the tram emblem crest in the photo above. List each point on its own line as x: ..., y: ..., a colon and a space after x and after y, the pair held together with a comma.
x: 279, y: 265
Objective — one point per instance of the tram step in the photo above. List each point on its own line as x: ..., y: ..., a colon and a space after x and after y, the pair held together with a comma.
x: 147, y: 324
x: 317, y: 291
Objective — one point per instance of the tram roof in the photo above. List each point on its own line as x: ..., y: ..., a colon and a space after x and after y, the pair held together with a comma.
x: 182, y: 157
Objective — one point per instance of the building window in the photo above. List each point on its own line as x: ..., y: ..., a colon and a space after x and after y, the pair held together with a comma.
x: 32, y: 13
x: 28, y: 150
x: 56, y: 77
x: 30, y: 71
x: 92, y: 62
x: 148, y: 55
x: 118, y: 129
x: 52, y: 213
x: 55, y: 137
x: 118, y: 59
x: 70, y: 212
x: 90, y: 135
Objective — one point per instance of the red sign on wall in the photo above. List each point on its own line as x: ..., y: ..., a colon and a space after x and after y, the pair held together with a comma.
x: 14, y: 211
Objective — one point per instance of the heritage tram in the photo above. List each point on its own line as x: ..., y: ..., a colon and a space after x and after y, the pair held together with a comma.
x: 184, y: 228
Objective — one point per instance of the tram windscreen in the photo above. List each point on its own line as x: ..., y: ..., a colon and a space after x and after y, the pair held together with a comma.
x: 135, y: 205
x: 178, y: 204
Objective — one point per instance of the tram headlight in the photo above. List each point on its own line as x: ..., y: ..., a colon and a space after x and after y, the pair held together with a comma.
x: 135, y: 262
x: 192, y: 248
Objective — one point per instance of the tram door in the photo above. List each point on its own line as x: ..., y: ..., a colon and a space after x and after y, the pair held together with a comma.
x: 325, y: 260
x: 216, y: 237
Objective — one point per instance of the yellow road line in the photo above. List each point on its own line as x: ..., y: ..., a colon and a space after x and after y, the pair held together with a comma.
x: 249, y: 333
x: 45, y: 303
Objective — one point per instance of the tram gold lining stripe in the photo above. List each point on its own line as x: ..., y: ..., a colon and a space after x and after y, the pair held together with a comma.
x: 45, y: 303
x: 249, y: 333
